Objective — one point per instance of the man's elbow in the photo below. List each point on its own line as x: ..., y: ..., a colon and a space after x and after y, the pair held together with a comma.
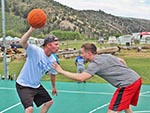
x: 23, y: 44
x: 20, y: 42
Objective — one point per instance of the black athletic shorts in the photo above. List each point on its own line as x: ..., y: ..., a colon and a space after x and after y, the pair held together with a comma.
x: 29, y: 95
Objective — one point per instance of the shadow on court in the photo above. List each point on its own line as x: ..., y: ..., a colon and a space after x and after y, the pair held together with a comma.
x: 72, y: 98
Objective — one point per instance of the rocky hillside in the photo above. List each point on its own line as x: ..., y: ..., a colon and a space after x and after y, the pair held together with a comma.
x: 88, y: 22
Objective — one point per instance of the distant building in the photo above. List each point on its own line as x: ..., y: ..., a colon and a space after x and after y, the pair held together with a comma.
x: 144, y: 39
x: 36, y: 41
x: 126, y: 40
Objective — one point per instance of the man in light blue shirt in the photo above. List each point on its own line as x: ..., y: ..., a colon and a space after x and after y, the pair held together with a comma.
x: 38, y: 63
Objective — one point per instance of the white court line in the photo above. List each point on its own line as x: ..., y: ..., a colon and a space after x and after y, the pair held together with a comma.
x: 144, y: 93
x: 3, y: 88
x: 66, y: 91
x: 84, y: 92
x: 98, y: 108
x: 10, y: 107
x: 141, y: 111
x: 98, y: 93
x: 81, y: 92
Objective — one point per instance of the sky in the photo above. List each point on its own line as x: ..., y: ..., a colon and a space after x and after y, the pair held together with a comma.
x: 125, y: 8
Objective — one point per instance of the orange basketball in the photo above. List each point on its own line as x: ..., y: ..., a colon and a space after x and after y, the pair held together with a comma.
x: 37, y: 18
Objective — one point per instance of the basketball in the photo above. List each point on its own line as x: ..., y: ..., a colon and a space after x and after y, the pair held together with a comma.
x: 37, y: 18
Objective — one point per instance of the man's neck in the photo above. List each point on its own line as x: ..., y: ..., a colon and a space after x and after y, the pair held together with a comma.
x: 47, y: 52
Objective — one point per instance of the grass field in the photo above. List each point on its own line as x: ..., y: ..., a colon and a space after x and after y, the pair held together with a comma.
x: 138, y: 61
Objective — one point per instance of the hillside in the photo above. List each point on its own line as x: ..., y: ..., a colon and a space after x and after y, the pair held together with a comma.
x: 60, y: 17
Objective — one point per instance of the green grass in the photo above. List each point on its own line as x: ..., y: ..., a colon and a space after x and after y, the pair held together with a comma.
x: 135, y: 60
x: 14, y: 67
x: 76, y: 44
x: 140, y: 65
x: 69, y: 65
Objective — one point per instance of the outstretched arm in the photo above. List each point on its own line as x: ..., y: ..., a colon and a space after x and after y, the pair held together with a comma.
x: 25, y: 37
x: 75, y: 76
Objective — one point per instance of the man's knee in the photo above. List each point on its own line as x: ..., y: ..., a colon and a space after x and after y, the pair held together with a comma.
x: 29, y: 109
x: 110, y: 111
x: 49, y: 103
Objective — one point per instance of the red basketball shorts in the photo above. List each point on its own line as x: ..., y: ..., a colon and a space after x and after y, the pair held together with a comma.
x: 125, y: 96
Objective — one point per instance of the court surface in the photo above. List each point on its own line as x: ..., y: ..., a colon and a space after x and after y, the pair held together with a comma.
x: 72, y: 97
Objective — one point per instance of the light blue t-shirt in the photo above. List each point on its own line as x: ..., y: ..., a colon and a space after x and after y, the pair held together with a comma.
x: 36, y: 66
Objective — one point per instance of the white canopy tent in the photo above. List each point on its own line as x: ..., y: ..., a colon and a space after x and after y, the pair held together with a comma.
x: 112, y: 40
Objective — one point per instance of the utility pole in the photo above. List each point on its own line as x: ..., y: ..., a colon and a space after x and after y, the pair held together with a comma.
x: 4, y: 40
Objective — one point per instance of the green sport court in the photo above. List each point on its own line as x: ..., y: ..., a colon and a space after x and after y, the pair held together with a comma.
x: 72, y: 97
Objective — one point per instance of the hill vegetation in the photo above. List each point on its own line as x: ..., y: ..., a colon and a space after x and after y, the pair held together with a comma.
x: 88, y: 23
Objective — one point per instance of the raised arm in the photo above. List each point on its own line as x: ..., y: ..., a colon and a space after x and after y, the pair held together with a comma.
x: 25, y: 37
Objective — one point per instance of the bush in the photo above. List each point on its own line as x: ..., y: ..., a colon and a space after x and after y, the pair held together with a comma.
x: 67, y: 35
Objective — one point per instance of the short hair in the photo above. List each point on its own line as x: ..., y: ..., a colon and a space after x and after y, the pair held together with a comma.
x: 90, y: 47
